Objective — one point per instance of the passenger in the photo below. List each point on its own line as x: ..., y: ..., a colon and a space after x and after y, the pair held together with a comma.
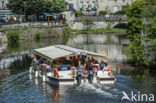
x: 110, y: 70
x: 87, y: 64
x: 92, y: 60
x: 73, y: 67
x: 106, y: 67
x: 90, y: 75
x: 48, y: 67
x: 44, y: 64
x: 79, y: 76
x: 102, y: 64
x: 56, y: 72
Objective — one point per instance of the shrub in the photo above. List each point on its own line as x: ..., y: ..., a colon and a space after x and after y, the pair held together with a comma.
x: 13, y: 37
x: 78, y: 13
x: 37, y: 35
x: 102, y: 12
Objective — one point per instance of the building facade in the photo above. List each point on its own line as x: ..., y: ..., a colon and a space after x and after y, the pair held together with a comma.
x: 3, y: 4
x: 92, y: 7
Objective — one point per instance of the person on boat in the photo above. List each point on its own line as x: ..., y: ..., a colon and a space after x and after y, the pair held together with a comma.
x: 110, y: 70
x: 90, y: 75
x: 87, y: 64
x: 56, y: 72
x: 79, y: 75
x: 106, y: 67
x: 102, y: 64
x: 92, y: 60
x: 44, y: 64
x: 73, y: 67
x: 48, y: 66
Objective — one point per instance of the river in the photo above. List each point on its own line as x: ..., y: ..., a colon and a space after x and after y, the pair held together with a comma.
x: 20, y: 87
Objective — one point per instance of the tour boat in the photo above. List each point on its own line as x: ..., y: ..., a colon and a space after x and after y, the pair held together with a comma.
x: 67, y: 77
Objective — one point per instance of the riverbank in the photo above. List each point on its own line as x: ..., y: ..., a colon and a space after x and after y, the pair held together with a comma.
x: 29, y: 33
x: 96, y: 31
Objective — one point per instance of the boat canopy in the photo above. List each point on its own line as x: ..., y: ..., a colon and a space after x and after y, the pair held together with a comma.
x: 58, y: 51
x: 52, y: 52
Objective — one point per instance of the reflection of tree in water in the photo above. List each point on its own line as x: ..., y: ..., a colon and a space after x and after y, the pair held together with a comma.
x: 20, y: 64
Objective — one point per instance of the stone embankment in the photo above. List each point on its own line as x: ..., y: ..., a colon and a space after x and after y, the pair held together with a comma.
x: 3, y: 37
x: 28, y: 32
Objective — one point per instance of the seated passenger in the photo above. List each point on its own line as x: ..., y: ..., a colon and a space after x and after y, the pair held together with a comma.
x: 106, y: 66
x: 102, y: 64
x: 73, y: 67
x: 63, y: 67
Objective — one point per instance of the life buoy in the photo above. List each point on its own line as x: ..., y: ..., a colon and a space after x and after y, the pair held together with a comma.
x: 56, y: 73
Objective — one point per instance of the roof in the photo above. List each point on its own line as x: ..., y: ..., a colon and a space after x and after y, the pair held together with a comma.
x: 6, y: 12
x: 75, y: 50
x: 58, y: 51
x: 51, y: 14
x: 52, y: 52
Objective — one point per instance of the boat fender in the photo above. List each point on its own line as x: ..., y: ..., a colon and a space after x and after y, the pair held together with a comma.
x: 31, y: 70
x: 36, y: 73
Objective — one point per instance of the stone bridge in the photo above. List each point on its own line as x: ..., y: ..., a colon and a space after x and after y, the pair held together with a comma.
x: 100, y: 22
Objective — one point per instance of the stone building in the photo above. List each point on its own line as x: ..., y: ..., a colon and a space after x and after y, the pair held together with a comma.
x: 3, y: 4
x: 92, y: 7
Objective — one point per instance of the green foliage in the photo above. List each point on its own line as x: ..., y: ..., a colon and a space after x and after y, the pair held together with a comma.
x: 78, y: 13
x: 13, y: 38
x: 66, y: 34
x: 30, y: 7
x: 102, y: 12
x: 88, y: 23
x: 135, y: 26
x: 37, y: 35
x: 135, y: 20
x: 137, y: 52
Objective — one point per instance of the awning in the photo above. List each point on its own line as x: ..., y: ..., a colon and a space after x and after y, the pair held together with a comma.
x: 58, y: 51
x: 74, y: 50
x: 6, y: 12
x: 51, y: 14
x: 52, y: 52
x: 96, y: 55
x: 47, y: 14
x: 79, y: 51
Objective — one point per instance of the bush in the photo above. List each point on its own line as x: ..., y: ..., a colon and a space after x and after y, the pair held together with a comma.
x: 102, y: 12
x: 37, y: 35
x: 78, y: 13
x: 13, y: 37
x: 121, y: 25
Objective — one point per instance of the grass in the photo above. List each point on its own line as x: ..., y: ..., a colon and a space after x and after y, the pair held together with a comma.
x: 102, y: 30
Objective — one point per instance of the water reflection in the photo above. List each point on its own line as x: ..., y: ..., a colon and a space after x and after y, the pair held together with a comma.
x: 113, y: 46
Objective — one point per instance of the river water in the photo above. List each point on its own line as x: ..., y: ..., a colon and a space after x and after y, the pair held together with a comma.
x: 20, y: 87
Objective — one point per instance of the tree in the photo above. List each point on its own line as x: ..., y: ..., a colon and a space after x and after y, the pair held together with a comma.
x: 135, y: 18
x: 135, y: 14
x: 88, y: 23
x: 30, y: 7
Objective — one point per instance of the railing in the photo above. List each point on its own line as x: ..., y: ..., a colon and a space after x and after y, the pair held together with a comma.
x: 53, y: 23
x: 102, y: 18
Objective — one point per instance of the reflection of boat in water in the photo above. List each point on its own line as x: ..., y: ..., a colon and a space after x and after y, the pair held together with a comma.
x: 68, y: 76
x: 56, y: 94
